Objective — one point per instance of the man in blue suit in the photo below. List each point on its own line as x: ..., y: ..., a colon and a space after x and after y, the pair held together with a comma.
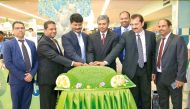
x: 124, y: 17
x: 75, y: 41
x: 20, y: 59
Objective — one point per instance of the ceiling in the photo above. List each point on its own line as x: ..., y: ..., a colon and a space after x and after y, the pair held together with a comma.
x: 113, y: 10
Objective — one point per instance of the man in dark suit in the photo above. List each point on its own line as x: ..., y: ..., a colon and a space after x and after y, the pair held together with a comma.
x: 101, y: 42
x: 51, y: 64
x: 20, y: 59
x: 124, y: 17
x: 171, y: 61
x: 139, y: 61
x: 75, y: 41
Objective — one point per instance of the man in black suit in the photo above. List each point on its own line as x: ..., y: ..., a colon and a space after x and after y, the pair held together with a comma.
x: 51, y: 64
x: 139, y: 61
x: 75, y: 41
x: 101, y: 42
x: 171, y: 62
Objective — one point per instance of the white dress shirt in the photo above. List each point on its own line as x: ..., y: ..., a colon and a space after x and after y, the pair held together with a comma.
x: 105, y: 33
x: 123, y: 29
x: 82, y: 46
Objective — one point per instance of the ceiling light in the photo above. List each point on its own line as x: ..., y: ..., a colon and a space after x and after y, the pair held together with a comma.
x: 23, y: 12
x: 106, y: 4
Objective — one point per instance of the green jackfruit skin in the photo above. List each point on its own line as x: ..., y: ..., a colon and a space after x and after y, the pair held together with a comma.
x: 91, y: 76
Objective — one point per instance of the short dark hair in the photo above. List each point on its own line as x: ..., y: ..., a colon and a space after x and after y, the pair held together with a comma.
x: 103, y: 17
x: 17, y: 22
x: 47, y: 23
x: 1, y: 32
x: 169, y: 23
x: 76, y: 17
x: 138, y: 16
x: 125, y: 12
x: 31, y: 29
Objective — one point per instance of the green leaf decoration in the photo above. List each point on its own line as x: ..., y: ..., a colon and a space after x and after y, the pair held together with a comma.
x: 91, y: 77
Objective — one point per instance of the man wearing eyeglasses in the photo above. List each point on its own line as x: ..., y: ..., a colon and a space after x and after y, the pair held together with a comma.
x: 20, y: 59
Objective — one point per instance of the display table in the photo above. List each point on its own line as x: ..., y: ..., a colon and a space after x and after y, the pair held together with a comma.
x: 110, y: 98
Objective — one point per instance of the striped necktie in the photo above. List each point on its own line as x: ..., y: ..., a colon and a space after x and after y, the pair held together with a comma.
x: 26, y: 56
x: 140, y: 52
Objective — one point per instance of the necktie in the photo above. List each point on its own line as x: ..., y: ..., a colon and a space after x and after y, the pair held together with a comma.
x: 82, y: 47
x: 160, y: 53
x: 26, y: 56
x: 57, y: 45
x: 125, y: 30
x: 140, y: 52
x: 103, y: 38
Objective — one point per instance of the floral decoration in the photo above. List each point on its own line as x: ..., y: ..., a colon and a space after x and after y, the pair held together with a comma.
x: 102, y: 84
x: 63, y: 81
x: 118, y: 81
x: 78, y: 85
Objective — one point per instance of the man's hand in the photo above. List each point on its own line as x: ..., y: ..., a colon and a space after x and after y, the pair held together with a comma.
x: 154, y: 78
x: 100, y: 63
x: 76, y: 64
x: 179, y: 83
x: 28, y: 77
x: 85, y: 64
x: 92, y: 64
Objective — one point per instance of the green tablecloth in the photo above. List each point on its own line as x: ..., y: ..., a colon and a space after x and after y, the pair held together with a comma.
x: 96, y: 99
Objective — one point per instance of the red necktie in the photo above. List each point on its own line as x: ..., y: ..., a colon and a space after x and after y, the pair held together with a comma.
x: 160, y: 53
x: 103, y: 38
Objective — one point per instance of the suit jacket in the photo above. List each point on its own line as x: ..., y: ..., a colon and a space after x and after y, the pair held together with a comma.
x: 97, y: 51
x: 51, y: 62
x: 128, y: 41
x: 174, y: 59
x: 71, y: 46
x: 14, y: 61
x: 117, y: 31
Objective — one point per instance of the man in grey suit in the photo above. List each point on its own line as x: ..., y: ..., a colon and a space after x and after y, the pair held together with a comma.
x: 139, y: 61
x: 171, y: 62
x: 101, y: 42
x: 51, y: 64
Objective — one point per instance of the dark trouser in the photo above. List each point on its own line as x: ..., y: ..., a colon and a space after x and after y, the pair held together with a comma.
x: 142, y: 91
x: 21, y: 95
x: 48, y: 96
x: 165, y: 91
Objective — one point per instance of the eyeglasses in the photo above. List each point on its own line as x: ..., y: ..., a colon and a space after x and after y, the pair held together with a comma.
x: 19, y: 28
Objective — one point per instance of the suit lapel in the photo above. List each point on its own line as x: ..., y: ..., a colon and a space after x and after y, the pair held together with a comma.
x: 107, y: 40
x: 74, y: 37
x: 168, y: 43
x: 147, y: 41
x: 18, y: 48
x: 157, y: 47
x: 18, y: 53
x: 120, y: 31
x: 133, y: 37
x: 98, y: 40
x: 51, y: 43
